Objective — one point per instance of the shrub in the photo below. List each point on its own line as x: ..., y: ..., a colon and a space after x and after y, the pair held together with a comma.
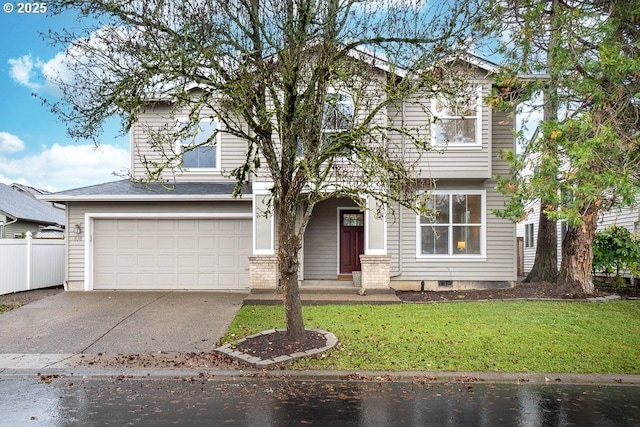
x: 616, y: 250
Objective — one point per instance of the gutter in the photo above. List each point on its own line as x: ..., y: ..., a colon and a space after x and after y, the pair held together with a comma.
x: 144, y: 198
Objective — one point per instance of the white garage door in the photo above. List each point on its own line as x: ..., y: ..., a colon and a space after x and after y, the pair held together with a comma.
x: 171, y: 253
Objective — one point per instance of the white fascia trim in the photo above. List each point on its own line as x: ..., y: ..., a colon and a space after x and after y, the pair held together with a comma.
x: 262, y: 187
x: 89, y: 217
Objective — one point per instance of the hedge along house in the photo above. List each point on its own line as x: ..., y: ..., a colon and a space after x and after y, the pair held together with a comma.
x: 190, y: 233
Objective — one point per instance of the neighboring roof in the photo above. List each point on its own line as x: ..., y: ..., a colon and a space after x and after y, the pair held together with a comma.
x: 18, y: 205
x: 27, y: 189
x: 127, y: 190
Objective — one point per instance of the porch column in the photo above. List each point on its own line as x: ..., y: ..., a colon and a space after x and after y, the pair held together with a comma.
x: 263, y: 264
x: 375, y: 230
x: 375, y: 263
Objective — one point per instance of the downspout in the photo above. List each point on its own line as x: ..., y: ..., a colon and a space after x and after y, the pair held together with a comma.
x: 400, y: 208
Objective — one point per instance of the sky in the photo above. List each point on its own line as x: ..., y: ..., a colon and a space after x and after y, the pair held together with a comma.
x: 34, y: 147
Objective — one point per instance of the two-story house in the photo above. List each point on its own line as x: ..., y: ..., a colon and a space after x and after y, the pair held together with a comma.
x: 192, y: 234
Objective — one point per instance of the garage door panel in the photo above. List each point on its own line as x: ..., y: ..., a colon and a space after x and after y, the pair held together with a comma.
x: 166, y: 261
x: 125, y: 226
x: 123, y: 261
x: 186, y: 261
x: 206, y: 261
x: 125, y: 242
x: 171, y: 254
x: 207, y: 242
x: 187, y: 242
x: 146, y: 242
x: 146, y: 261
x: 166, y: 242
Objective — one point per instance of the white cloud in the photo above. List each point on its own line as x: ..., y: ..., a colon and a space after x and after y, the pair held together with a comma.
x: 10, y: 143
x: 24, y: 70
x: 62, y: 167
x: 27, y: 72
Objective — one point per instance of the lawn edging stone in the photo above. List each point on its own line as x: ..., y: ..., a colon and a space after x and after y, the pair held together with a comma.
x: 231, y: 351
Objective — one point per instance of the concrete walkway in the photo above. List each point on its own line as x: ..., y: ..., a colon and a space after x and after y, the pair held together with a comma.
x: 53, y: 329
x: 321, y: 295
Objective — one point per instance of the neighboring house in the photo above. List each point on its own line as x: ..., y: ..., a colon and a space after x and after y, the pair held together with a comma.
x: 527, y: 229
x: 35, y: 192
x: 20, y: 212
x: 195, y: 235
x: 527, y: 234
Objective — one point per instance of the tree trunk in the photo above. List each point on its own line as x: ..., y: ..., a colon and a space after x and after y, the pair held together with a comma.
x: 545, y: 266
x: 288, y: 248
x: 577, y: 255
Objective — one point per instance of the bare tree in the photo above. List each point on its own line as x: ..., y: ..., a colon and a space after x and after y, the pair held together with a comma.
x: 267, y: 70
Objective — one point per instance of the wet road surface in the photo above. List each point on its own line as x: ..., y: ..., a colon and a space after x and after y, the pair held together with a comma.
x: 208, y: 401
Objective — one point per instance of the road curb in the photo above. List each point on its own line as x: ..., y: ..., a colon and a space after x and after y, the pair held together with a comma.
x: 326, y: 375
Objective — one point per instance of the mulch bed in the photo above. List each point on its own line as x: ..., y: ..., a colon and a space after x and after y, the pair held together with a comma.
x: 270, y: 346
x: 541, y: 290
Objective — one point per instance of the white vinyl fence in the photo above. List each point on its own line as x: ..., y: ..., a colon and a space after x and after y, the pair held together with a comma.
x: 30, y: 264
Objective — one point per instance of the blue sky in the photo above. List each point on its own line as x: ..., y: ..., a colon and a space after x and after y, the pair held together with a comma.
x: 34, y: 147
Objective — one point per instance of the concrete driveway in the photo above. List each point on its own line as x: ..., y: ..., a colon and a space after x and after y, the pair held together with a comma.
x: 119, y: 322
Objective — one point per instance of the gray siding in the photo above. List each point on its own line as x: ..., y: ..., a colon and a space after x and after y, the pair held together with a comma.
x: 159, y: 116
x: 77, y: 210
x: 321, y: 240
x: 628, y: 218
x: 441, y: 162
x: 18, y: 229
x: 500, y: 262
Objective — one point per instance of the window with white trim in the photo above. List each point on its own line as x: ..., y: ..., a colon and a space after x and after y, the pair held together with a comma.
x: 201, y: 151
x: 457, y: 119
x: 455, y: 227
x: 529, y: 241
x: 338, y: 113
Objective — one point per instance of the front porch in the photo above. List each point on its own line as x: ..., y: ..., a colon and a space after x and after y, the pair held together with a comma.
x: 342, y: 247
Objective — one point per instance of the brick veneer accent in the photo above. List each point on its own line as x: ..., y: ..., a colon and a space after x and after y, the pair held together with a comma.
x: 375, y: 271
x: 263, y: 271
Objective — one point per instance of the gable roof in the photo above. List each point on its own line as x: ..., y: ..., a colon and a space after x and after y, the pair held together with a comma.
x: 18, y: 205
x: 127, y: 190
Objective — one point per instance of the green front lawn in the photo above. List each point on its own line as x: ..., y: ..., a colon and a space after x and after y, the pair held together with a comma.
x: 518, y: 336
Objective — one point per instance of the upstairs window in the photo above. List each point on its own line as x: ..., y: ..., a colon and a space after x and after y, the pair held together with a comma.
x: 201, y: 151
x: 338, y: 114
x: 456, y: 227
x: 457, y: 120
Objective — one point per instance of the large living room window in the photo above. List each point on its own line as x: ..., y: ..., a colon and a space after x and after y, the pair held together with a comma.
x: 201, y: 150
x: 457, y: 119
x: 454, y: 227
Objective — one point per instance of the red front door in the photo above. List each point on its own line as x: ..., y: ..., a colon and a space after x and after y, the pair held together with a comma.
x: 351, y: 240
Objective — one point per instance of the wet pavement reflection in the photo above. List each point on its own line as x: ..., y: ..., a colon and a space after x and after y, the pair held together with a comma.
x: 202, y: 401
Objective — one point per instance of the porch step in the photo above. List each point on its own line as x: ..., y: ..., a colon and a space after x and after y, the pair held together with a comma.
x: 316, y: 295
